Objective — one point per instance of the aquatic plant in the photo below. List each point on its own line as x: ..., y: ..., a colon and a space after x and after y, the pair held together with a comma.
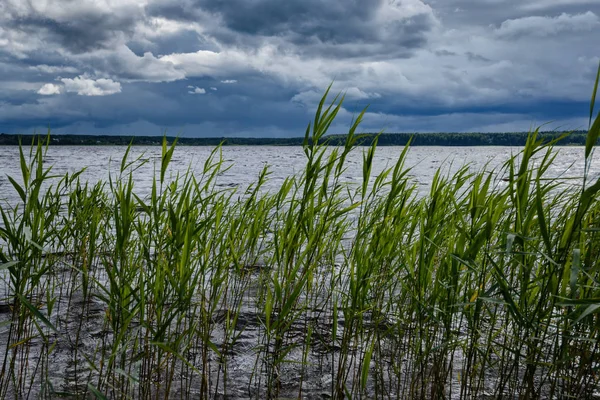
x: 486, y: 286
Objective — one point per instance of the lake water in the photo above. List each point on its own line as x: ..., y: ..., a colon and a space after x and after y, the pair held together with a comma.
x: 246, y: 163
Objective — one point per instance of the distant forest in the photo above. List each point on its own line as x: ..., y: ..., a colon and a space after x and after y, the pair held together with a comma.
x: 385, y: 139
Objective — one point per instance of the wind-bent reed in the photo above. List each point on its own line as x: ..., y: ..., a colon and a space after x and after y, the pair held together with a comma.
x: 479, y: 288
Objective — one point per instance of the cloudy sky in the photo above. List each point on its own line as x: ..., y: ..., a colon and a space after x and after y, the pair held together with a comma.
x: 258, y: 67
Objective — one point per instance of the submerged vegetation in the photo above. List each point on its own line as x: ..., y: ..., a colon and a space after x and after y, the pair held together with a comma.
x: 487, y: 287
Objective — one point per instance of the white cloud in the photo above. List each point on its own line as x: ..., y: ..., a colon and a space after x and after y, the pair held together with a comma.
x: 213, y: 88
x: 49, y: 89
x: 545, y: 4
x: 53, y: 69
x: 211, y: 63
x: 16, y: 42
x: 197, y: 90
x: 84, y: 86
x: 548, y: 26
x: 159, y: 26
x: 229, y: 81
x: 312, y: 97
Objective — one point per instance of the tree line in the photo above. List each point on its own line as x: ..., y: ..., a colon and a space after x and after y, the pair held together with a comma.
x: 384, y: 139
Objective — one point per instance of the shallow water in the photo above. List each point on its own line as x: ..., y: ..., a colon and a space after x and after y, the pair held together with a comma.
x: 246, y: 164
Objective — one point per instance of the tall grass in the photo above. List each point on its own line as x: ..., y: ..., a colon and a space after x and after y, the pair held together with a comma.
x: 487, y: 286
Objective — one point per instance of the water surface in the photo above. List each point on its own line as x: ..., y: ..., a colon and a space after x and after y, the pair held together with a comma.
x: 246, y: 162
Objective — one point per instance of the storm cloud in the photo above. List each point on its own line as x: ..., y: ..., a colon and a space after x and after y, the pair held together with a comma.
x: 258, y: 68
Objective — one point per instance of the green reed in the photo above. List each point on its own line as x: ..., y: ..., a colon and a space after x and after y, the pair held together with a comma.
x: 485, y: 286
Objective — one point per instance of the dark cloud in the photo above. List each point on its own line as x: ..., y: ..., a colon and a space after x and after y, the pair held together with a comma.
x: 329, y: 21
x: 340, y: 28
x: 162, y: 106
x: 183, y: 10
x: 443, y: 53
x: 72, y: 26
x: 85, y: 66
x: 78, y: 36
x: 476, y: 57
x: 179, y: 42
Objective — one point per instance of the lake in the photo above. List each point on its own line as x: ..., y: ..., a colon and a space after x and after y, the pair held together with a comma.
x: 247, y: 161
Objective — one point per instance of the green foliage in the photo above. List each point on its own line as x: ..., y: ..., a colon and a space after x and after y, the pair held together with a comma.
x: 486, y: 286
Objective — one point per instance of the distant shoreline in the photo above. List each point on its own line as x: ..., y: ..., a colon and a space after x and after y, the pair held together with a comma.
x: 575, y: 138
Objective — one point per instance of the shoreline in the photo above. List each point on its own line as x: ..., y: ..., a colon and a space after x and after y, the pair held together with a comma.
x: 516, y: 139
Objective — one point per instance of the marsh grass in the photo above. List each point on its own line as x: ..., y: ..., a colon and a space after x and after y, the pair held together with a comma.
x: 478, y: 289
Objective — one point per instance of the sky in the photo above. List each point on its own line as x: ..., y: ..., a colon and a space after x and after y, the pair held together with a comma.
x: 258, y: 68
